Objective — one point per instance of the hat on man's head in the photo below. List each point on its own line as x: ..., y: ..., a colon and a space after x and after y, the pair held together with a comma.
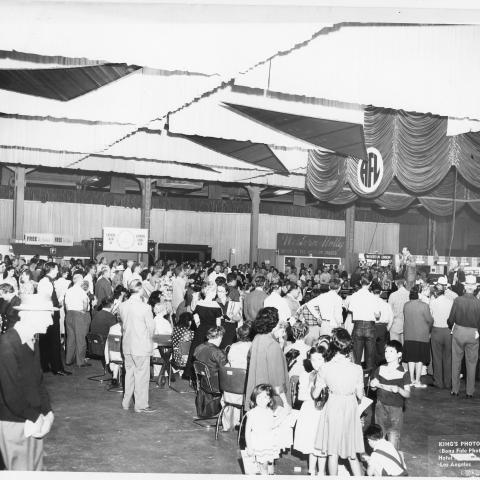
x: 442, y: 281
x: 470, y: 280
x: 36, y: 303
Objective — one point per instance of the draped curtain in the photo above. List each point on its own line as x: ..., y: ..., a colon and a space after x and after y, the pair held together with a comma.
x: 419, y: 164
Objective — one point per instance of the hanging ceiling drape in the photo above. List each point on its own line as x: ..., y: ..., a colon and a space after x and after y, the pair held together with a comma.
x: 417, y: 158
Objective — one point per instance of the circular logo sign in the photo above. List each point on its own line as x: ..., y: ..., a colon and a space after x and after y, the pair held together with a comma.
x: 126, y: 239
x: 370, y: 171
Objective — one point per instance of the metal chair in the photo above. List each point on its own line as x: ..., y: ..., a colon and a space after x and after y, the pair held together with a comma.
x: 164, y: 345
x: 184, y: 347
x: 231, y: 380
x: 203, y: 382
x: 96, y: 349
x: 114, y: 345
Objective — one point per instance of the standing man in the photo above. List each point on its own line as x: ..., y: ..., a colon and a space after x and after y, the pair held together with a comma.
x: 103, y: 287
x: 329, y: 306
x: 25, y: 412
x: 383, y: 324
x: 397, y: 301
x: 464, y: 320
x: 364, y: 307
x: 178, y: 287
x: 77, y: 322
x: 440, y: 338
x: 138, y: 327
x: 277, y: 301
x: 128, y: 274
x: 253, y: 302
x: 50, y: 345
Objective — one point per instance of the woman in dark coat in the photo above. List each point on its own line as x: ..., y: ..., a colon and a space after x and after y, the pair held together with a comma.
x: 267, y: 362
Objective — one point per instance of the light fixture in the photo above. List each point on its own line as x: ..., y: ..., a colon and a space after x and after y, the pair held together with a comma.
x: 281, y: 192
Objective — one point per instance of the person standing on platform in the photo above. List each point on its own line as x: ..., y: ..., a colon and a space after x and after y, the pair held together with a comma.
x: 138, y: 327
x: 50, y: 345
x: 397, y: 301
x: 364, y: 307
x: 25, y: 412
x: 464, y: 320
x: 441, y: 340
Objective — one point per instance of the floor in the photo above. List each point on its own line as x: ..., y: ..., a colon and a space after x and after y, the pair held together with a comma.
x: 92, y: 433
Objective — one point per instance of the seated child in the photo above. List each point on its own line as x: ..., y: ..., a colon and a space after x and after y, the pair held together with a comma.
x: 385, y: 460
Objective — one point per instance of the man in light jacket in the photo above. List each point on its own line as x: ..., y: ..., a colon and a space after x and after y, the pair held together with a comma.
x: 138, y: 327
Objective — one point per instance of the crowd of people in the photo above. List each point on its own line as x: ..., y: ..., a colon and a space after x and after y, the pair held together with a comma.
x: 314, y: 342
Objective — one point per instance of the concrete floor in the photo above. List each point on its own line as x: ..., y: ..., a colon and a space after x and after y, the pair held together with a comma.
x: 92, y: 433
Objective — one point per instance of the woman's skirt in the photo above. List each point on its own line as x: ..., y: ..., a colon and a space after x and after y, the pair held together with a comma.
x: 416, y: 352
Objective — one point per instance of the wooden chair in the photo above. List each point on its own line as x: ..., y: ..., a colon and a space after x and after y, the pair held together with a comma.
x: 231, y: 380
x: 96, y: 349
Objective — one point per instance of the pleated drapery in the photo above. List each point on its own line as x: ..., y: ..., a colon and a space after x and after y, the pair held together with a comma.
x: 418, y: 163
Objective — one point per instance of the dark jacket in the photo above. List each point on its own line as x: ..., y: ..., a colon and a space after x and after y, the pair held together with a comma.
x: 10, y: 314
x: 213, y: 357
x: 465, y: 312
x: 23, y: 395
x: 102, y: 321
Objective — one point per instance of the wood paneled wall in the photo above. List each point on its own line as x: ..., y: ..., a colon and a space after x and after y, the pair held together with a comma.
x: 222, y: 231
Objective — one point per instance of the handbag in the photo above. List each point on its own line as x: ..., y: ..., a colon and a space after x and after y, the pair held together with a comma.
x: 322, y: 398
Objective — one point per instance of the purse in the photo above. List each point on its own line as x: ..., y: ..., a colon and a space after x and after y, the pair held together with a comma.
x: 322, y: 398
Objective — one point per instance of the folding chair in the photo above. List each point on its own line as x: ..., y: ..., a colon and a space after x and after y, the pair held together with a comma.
x: 96, y: 349
x: 231, y: 380
x: 114, y: 343
x: 164, y: 345
x: 184, y: 348
x: 202, y: 373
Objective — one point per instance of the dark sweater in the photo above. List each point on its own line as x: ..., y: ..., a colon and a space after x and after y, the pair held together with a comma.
x: 23, y: 395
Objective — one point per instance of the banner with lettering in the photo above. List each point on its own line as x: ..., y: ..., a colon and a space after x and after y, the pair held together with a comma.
x: 297, y: 245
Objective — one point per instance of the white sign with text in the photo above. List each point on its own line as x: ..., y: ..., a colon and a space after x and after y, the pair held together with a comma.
x: 125, y: 239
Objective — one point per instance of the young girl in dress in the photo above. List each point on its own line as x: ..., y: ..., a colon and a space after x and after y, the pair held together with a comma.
x: 262, y: 428
x: 309, y: 416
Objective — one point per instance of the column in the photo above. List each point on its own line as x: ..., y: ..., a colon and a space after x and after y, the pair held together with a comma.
x: 18, y: 202
x: 350, y: 260
x: 254, y: 193
x: 146, y: 188
x: 432, y: 235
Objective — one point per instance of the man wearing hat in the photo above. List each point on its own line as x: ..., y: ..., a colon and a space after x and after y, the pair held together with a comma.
x: 464, y: 320
x: 440, y: 338
x: 25, y: 412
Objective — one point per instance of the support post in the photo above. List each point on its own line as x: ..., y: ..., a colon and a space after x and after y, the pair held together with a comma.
x: 350, y: 262
x: 432, y: 235
x: 254, y: 193
x: 18, y: 202
x: 146, y: 188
